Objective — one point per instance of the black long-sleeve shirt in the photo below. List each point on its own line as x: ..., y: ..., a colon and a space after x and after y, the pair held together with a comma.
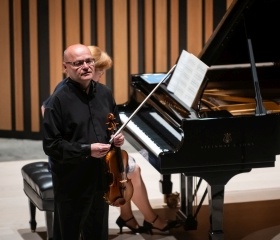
x: 74, y: 119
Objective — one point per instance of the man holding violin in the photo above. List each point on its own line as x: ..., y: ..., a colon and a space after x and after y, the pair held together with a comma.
x: 76, y: 140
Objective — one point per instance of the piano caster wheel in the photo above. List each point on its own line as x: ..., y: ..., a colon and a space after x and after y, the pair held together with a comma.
x: 172, y: 200
x: 216, y: 235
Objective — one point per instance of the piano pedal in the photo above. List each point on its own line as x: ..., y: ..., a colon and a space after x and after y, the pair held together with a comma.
x: 189, y: 222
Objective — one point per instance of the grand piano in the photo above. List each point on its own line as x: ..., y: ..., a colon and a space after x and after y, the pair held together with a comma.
x: 234, y: 125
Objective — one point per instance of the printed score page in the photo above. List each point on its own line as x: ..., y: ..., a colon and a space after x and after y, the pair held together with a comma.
x: 187, y: 78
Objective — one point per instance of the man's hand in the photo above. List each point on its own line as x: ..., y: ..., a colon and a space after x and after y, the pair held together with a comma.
x: 99, y: 150
x: 118, y: 140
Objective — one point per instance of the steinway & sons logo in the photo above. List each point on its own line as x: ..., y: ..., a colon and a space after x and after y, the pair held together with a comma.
x: 227, y: 138
x: 227, y: 142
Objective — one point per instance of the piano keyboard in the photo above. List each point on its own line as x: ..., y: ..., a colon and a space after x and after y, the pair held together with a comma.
x: 147, y: 134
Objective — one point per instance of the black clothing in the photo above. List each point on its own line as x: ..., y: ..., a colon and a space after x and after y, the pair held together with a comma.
x: 72, y: 121
x: 58, y: 86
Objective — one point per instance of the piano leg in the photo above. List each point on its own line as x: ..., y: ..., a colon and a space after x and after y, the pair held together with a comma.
x: 186, y: 211
x: 215, y: 191
x: 216, y: 204
x: 165, y: 185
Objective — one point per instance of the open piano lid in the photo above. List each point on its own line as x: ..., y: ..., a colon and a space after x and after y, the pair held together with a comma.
x: 205, y: 141
x: 227, y: 52
x: 228, y: 43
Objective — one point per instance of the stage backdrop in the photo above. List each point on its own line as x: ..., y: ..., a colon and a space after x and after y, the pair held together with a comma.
x: 142, y: 36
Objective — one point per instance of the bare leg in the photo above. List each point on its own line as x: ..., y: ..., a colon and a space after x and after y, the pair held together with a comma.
x: 141, y: 200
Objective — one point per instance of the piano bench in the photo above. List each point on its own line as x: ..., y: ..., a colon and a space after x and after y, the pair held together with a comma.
x: 38, y: 186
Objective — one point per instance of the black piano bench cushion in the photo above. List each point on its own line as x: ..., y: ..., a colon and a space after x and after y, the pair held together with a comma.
x: 38, y: 186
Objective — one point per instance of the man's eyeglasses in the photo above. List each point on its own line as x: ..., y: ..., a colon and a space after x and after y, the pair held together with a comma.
x: 80, y: 63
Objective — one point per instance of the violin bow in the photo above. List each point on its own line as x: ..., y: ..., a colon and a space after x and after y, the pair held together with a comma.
x: 145, y: 100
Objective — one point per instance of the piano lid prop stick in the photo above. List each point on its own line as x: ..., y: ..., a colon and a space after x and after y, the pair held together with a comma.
x: 145, y: 100
x: 242, y: 65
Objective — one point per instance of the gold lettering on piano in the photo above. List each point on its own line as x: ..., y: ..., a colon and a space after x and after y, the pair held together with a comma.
x: 233, y: 145
x: 227, y: 142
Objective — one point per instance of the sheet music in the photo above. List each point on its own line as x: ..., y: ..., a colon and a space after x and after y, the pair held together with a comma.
x: 187, y: 78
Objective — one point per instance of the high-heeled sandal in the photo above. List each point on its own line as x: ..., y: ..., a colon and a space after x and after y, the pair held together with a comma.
x: 123, y: 223
x: 150, y: 226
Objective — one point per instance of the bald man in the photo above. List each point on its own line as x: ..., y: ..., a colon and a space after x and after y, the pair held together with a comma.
x: 76, y: 140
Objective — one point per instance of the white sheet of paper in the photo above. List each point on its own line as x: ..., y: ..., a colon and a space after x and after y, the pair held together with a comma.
x: 187, y: 77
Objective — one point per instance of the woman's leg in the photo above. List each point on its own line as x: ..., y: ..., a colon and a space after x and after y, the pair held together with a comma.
x: 140, y: 199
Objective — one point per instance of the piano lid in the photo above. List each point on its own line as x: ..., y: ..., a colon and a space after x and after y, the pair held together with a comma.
x: 228, y: 43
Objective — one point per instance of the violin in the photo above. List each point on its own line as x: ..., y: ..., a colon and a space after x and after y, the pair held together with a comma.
x: 120, y: 189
